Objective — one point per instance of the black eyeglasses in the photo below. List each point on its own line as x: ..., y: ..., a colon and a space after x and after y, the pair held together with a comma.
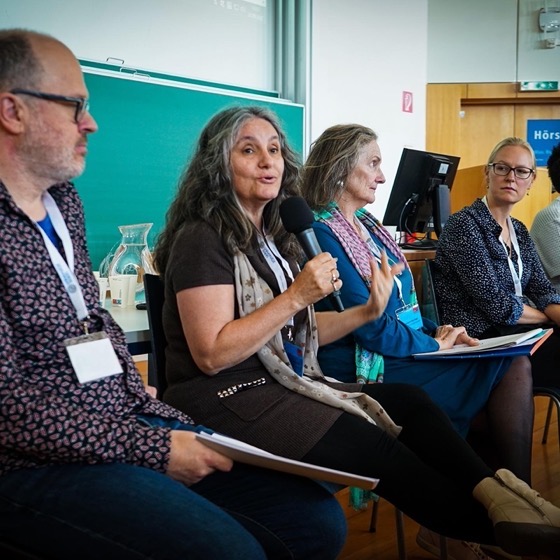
x: 519, y: 172
x: 81, y: 103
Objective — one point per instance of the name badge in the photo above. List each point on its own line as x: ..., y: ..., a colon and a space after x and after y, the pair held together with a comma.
x: 93, y: 356
x: 410, y: 316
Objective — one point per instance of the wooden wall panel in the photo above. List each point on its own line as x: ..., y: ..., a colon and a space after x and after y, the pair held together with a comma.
x: 469, y: 184
x: 482, y: 127
x: 500, y: 90
x: 443, y: 107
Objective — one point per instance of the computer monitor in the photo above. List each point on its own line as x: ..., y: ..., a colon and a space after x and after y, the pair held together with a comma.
x: 419, y: 201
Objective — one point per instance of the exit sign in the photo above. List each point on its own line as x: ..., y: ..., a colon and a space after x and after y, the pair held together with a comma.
x: 538, y: 86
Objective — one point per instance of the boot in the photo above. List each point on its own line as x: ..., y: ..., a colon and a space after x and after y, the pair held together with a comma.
x: 456, y: 550
x: 524, y: 522
x: 498, y: 553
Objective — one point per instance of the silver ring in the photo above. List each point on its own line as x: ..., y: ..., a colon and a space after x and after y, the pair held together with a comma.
x: 334, y: 278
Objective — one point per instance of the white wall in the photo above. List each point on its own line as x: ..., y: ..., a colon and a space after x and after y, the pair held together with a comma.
x: 489, y: 41
x: 535, y: 62
x: 365, y: 54
x: 472, y: 41
x: 215, y: 40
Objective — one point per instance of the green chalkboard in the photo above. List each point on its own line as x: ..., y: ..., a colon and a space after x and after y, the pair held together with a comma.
x: 147, y: 132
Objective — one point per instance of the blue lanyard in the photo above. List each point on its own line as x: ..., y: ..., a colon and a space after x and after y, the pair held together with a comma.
x: 65, y: 270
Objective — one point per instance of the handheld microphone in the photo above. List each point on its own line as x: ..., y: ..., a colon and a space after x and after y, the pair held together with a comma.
x: 298, y: 218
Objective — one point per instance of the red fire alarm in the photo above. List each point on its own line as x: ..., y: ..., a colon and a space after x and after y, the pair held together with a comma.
x: 407, y: 101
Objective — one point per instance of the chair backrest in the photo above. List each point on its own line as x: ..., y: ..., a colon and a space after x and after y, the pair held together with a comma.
x: 155, y: 295
x: 430, y: 303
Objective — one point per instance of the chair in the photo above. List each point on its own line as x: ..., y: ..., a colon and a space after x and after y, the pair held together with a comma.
x: 399, y: 519
x: 430, y: 310
x: 429, y: 300
x: 554, y: 399
x: 155, y: 295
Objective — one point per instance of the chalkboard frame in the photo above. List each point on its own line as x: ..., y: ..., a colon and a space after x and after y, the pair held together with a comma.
x: 148, y: 128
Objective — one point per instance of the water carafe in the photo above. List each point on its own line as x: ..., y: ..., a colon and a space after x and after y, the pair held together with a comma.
x: 133, y: 256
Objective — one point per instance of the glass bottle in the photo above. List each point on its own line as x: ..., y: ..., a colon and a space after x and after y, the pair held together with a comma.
x: 133, y: 256
x: 107, y: 259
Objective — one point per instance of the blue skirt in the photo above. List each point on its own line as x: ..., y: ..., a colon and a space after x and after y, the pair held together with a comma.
x: 460, y: 387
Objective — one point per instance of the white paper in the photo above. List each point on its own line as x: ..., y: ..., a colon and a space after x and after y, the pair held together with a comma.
x: 529, y: 337
x: 245, y: 453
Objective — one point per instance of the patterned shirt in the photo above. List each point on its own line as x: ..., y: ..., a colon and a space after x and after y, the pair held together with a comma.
x: 46, y: 416
x: 473, y: 280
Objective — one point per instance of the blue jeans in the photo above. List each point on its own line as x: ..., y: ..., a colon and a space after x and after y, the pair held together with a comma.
x: 131, y: 513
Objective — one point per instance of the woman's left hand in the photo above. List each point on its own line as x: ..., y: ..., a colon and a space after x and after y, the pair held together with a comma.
x: 448, y: 335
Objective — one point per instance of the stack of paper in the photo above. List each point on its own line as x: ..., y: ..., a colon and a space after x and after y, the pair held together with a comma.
x: 244, y: 453
x: 500, y: 346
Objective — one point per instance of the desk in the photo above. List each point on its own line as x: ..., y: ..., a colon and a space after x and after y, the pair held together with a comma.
x: 134, y: 323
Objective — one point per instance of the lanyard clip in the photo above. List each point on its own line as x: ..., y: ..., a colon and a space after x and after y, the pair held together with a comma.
x: 289, y: 333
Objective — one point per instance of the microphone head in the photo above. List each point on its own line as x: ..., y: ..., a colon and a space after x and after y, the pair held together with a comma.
x: 296, y: 215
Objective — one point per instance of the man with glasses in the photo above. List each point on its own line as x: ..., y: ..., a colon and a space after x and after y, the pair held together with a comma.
x: 91, y: 466
x: 81, y: 103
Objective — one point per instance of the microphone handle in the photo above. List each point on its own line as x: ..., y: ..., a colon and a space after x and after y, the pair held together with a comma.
x: 336, y: 301
x: 311, y: 248
x: 308, y: 241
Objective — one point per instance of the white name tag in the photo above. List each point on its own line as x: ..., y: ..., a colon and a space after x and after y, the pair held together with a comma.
x: 92, y: 356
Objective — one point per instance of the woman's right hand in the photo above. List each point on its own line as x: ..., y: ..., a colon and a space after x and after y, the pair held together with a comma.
x: 318, y: 278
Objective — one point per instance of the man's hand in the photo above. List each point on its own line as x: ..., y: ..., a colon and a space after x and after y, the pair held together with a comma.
x: 190, y: 460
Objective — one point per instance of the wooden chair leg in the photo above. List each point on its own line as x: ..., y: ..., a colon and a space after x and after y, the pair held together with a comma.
x: 558, y: 420
x: 442, y: 548
x: 401, y: 544
x: 547, y: 422
x: 373, y: 520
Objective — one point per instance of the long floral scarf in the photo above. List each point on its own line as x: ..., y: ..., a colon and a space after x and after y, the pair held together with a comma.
x: 369, y: 365
x: 253, y: 292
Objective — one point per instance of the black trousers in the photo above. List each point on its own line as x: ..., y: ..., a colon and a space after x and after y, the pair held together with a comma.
x: 428, y: 472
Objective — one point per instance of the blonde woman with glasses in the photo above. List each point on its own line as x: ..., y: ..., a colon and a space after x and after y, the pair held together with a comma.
x: 488, y: 274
